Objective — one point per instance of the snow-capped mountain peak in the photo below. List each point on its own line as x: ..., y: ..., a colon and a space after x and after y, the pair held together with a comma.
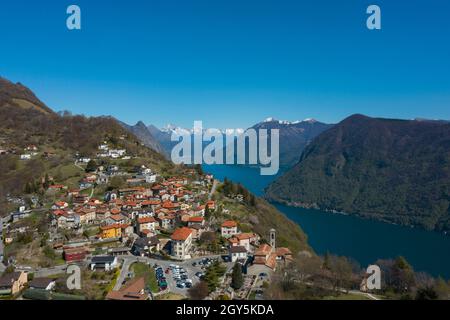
x: 286, y: 122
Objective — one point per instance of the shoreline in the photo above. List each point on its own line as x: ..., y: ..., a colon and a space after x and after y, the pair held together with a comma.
x: 315, y: 207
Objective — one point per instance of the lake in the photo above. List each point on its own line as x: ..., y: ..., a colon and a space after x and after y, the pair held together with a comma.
x: 362, y: 239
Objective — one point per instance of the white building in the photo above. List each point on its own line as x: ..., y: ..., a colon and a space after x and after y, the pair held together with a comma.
x: 181, y: 243
x: 107, y: 263
x: 229, y: 228
x: 237, y: 253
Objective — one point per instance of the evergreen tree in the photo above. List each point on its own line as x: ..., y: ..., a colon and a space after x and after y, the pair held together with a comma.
x: 199, y: 169
x: 207, y: 211
x: 46, y: 183
x: 237, y: 280
x: 252, y: 200
x: 326, y: 261
x: 91, y: 166
x: 28, y: 187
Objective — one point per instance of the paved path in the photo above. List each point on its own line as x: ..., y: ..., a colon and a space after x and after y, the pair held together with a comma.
x: 46, y: 272
x: 372, y: 297
x: 78, y: 166
x: 2, y: 266
x: 127, y: 262
x: 213, y: 189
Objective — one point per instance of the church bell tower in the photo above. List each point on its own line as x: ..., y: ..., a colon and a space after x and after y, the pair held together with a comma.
x: 272, y: 237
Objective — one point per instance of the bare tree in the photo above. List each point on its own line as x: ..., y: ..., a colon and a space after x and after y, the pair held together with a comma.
x: 199, y: 291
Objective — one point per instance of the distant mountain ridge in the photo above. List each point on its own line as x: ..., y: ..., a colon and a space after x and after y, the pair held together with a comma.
x: 294, y: 136
x: 392, y: 170
x: 141, y: 131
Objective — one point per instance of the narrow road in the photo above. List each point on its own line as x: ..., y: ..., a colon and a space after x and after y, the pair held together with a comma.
x: 127, y: 262
x: 92, y: 193
x: 2, y: 266
x: 78, y: 166
x: 47, y: 272
x: 213, y: 189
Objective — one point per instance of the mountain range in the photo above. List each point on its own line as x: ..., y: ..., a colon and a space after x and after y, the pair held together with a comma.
x: 392, y: 170
x: 294, y: 136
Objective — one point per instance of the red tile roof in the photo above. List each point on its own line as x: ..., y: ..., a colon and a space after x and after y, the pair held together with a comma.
x: 115, y: 211
x: 229, y: 224
x: 196, y: 219
x: 150, y: 202
x: 263, y: 250
x: 181, y: 234
x: 245, y: 236
x: 132, y: 291
x: 146, y: 220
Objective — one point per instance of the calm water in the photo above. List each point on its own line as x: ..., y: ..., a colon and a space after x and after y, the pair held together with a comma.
x: 362, y: 239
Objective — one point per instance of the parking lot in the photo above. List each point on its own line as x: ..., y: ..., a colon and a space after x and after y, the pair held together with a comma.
x: 178, y: 277
x: 175, y: 272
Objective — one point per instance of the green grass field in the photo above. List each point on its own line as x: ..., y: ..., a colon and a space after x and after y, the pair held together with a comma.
x: 142, y: 270
x: 347, y: 296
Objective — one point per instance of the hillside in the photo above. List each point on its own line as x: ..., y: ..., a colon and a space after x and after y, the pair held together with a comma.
x: 57, y: 139
x: 17, y: 95
x: 257, y: 215
x: 392, y: 170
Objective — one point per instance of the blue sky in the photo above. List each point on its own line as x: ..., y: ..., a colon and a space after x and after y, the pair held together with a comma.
x: 231, y: 63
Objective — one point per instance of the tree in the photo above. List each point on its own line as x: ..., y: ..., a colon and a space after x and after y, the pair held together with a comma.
x: 402, y: 275
x: 340, y: 271
x: 9, y: 269
x: 252, y: 200
x: 199, y: 169
x: 116, y: 183
x: 208, y: 236
x: 237, y: 280
x: 28, y: 188
x: 46, y: 183
x: 442, y: 289
x: 199, y: 291
x: 427, y: 293
x: 306, y: 267
x: 91, y: 166
x: 212, y: 275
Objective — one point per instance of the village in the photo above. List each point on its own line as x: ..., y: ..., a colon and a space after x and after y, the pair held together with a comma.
x: 149, y: 237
